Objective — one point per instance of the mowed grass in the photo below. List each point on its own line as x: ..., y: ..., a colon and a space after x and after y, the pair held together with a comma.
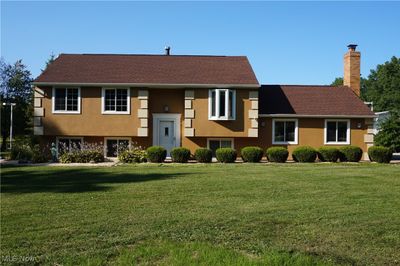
x: 241, y: 214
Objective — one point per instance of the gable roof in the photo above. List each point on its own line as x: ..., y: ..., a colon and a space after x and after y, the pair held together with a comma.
x: 304, y: 100
x: 149, y: 69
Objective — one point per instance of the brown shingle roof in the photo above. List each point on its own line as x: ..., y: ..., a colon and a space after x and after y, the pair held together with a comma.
x: 311, y: 100
x: 149, y: 69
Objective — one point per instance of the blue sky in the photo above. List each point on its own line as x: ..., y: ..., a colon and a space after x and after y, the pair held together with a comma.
x: 286, y: 42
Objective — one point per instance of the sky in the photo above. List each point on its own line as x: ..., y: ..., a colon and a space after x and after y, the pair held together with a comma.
x: 286, y: 42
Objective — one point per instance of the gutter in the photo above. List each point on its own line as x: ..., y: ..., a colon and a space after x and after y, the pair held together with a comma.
x: 316, y: 116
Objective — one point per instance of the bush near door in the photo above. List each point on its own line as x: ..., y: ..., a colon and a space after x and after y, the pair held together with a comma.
x: 203, y: 155
x: 156, y: 154
x: 180, y: 155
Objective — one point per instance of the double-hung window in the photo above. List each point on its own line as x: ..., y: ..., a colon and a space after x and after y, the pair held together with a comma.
x: 337, y: 131
x: 222, y: 104
x: 115, y: 101
x: 284, y: 131
x: 66, y: 100
x: 214, y: 144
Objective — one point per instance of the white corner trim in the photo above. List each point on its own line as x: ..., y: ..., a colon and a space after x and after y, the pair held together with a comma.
x: 128, y: 101
x: 53, y: 101
x: 296, y: 131
x: 348, y: 134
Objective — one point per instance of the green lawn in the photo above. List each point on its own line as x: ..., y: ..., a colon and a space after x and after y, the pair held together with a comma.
x: 243, y: 214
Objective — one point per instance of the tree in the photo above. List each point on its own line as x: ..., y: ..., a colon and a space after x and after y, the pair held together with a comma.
x: 51, y: 59
x: 389, y: 134
x: 383, y: 86
x: 15, y: 87
x: 337, y: 82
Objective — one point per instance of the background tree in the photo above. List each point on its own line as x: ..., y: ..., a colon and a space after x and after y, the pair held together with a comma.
x: 389, y: 134
x: 49, y: 61
x: 15, y: 87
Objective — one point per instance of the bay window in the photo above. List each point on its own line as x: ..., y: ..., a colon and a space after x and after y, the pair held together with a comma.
x: 222, y: 104
x: 337, y: 131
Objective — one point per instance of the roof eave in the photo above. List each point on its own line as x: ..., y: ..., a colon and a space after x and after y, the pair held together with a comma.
x: 146, y: 85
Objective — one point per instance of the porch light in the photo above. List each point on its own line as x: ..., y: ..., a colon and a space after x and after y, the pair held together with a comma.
x: 166, y: 108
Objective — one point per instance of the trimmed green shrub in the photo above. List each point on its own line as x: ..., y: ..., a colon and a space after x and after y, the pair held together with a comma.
x: 328, y: 154
x: 180, y: 155
x: 304, y: 154
x: 156, y: 154
x: 226, y: 155
x: 82, y: 156
x: 380, y: 154
x: 203, y: 155
x: 350, y: 154
x: 132, y: 156
x: 277, y: 154
x: 251, y: 154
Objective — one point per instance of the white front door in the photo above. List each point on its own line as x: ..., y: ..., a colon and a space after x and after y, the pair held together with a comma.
x: 166, y: 134
x: 166, y: 131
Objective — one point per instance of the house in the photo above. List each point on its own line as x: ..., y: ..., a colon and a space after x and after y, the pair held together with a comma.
x: 193, y: 101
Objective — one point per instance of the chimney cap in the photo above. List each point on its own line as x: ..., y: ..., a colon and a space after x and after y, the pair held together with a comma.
x: 167, y: 50
x: 352, y: 47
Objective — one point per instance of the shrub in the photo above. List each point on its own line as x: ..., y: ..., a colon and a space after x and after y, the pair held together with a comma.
x: 328, y: 154
x: 277, y: 154
x: 380, y: 154
x: 40, y: 155
x: 156, y: 154
x: 82, y: 156
x: 21, y: 152
x: 304, y: 154
x: 226, y: 155
x: 67, y: 157
x: 135, y: 155
x: 350, y: 154
x: 203, y: 155
x: 251, y: 154
x: 180, y: 155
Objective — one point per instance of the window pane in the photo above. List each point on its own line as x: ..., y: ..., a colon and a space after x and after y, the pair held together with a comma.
x: 63, y: 146
x: 221, y: 103
x: 279, y: 134
x: 290, y: 130
x: 214, y: 145
x: 75, y: 144
x: 123, y: 145
x: 213, y: 103
x: 109, y: 100
x: 72, y: 99
x: 226, y: 144
x: 342, y: 131
x: 122, y: 103
x: 59, y: 104
x: 331, y: 132
x: 112, y: 145
x: 230, y: 104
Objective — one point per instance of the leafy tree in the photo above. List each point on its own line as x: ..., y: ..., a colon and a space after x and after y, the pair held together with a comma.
x: 389, y: 134
x: 15, y: 87
x: 337, y: 82
x: 49, y: 61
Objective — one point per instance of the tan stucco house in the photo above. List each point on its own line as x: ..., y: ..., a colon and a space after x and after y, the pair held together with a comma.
x: 193, y: 101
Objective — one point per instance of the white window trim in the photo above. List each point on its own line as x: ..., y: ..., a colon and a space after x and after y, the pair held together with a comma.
x: 220, y: 139
x: 115, y: 138
x: 296, y: 132
x: 347, y: 142
x: 128, y: 101
x: 217, y: 93
x: 53, y: 101
x: 61, y: 137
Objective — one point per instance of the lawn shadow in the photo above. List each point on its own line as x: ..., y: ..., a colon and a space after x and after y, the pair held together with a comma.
x: 74, y: 180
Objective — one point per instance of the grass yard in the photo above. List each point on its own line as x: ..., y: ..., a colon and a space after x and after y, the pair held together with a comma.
x: 243, y: 214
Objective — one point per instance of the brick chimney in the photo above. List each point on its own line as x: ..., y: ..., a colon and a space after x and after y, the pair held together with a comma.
x: 351, y: 76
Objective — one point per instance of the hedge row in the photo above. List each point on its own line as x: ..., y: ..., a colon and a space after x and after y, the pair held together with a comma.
x: 157, y: 154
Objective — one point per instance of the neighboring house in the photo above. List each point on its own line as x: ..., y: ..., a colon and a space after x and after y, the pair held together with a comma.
x: 193, y: 101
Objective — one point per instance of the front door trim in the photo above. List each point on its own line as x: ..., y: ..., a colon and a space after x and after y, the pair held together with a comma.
x: 168, y: 117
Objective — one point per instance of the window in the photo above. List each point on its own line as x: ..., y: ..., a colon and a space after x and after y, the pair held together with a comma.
x: 115, y: 101
x: 214, y: 144
x: 284, y: 131
x: 68, y: 144
x: 66, y: 100
x: 337, y: 131
x: 222, y: 104
x: 115, y: 146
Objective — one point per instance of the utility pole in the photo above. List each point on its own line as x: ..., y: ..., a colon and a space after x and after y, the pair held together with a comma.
x: 11, y: 121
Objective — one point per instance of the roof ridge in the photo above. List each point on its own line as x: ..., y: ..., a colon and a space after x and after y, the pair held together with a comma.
x: 175, y: 55
x: 298, y: 85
